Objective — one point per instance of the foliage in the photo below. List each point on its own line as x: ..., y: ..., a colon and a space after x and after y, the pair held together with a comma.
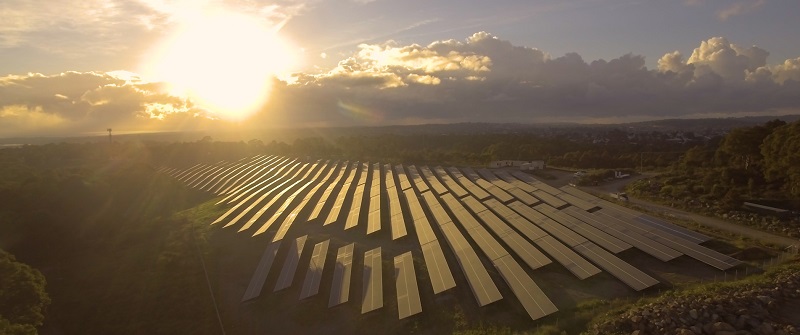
x: 781, y: 151
x: 761, y: 162
x: 114, y: 233
x: 23, y: 299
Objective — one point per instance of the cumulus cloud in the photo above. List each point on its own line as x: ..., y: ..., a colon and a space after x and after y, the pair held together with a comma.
x: 725, y: 59
x: 485, y: 78
x: 789, y: 70
x: 75, y: 102
x: 478, y: 79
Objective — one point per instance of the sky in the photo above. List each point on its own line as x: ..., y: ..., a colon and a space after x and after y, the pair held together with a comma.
x: 75, y: 67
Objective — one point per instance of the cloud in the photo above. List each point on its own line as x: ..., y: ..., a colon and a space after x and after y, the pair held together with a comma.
x: 485, y: 78
x: 721, y: 57
x: 75, y: 102
x: 478, y: 79
x: 83, y: 28
x: 78, y: 29
x: 789, y: 70
x: 739, y: 8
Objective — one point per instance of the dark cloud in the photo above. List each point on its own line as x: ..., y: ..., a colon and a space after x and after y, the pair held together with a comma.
x: 488, y: 79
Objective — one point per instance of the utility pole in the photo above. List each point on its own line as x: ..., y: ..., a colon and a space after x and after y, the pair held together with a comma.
x: 109, y: 135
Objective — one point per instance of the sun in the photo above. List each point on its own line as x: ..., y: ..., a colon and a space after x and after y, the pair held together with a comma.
x: 223, y: 61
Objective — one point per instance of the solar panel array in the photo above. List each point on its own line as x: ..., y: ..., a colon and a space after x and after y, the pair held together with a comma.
x: 505, y: 218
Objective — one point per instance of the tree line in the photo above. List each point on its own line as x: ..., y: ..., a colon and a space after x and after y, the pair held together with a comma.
x: 760, y: 162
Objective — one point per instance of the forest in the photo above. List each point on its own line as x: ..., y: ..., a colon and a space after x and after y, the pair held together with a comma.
x: 88, y: 224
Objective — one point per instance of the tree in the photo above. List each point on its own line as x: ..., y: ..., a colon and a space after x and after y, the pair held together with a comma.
x: 22, y: 296
x: 781, y: 151
x: 741, y: 147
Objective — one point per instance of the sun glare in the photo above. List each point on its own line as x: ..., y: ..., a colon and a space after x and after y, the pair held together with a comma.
x: 223, y: 61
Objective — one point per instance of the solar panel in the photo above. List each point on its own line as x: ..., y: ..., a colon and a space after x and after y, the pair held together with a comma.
x: 627, y: 235
x: 408, y: 302
x: 315, y: 267
x: 419, y: 183
x: 230, y: 172
x: 372, y: 290
x: 290, y: 265
x: 473, y: 189
x: 241, y: 174
x: 439, y: 215
x: 625, y: 272
x: 535, y: 182
x: 495, y: 191
x: 698, y: 252
x: 576, y: 264
x: 437, y: 186
x: 292, y: 217
x: 258, y: 173
x: 180, y: 175
x: 340, y: 288
x: 284, y: 172
x: 247, y: 200
x: 450, y: 182
x: 504, y: 175
x: 482, y: 286
x: 260, y: 275
x: 560, y: 232
x: 263, y: 182
x: 344, y: 171
x: 595, y: 235
x: 525, y: 251
x: 550, y: 199
x: 336, y: 209
x: 290, y: 201
x: 221, y: 174
x: 402, y: 177
x: 532, y: 298
x: 438, y: 270
x: 358, y: 199
x: 531, y: 231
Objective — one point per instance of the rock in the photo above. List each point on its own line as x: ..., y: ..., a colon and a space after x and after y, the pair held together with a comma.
x: 764, y: 299
x: 725, y: 332
x: 636, y: 332
x: 684, y: 331
x: 722, y: 326
x: 693, y: 313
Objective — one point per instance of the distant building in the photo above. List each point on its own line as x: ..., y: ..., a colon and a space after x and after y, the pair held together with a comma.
x: 523, y: 165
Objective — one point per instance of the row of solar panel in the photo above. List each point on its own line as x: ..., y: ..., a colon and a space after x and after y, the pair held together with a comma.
x: 584, y: 223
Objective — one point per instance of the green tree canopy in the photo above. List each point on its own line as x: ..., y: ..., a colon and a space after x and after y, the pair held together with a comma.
x: 22, y: 296
x: 781, y: 151
x: 742, y: 146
